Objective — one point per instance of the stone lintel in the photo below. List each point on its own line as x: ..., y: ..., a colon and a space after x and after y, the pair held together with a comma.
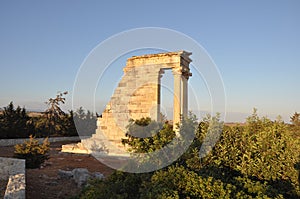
x: 164, y: 60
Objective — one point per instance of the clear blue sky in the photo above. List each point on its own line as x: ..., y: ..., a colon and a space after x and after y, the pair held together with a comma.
x: 255, y: 44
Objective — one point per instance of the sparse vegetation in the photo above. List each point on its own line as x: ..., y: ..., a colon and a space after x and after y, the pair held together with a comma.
x: 53, y: 118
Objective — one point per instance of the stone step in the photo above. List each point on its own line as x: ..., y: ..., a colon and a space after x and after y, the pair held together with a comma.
x: 103, y: 145
x: 98, y: 146
x: 74, y: 148
x: 99, y: 135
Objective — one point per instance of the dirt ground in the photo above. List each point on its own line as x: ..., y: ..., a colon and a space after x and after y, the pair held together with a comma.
x: 3, y: 184
x: 44, y: 182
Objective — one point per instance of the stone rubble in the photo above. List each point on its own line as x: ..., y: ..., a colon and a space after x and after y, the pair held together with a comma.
x: 79, y: 175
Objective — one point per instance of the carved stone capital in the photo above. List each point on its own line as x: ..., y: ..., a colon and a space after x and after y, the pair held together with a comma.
x: 185, y: 72
x: 177, y: 71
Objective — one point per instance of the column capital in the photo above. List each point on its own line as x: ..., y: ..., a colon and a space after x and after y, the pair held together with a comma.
x: 186, y: 75
x: 161, y: 72
x: 177, y: 71
x: 183, y: 71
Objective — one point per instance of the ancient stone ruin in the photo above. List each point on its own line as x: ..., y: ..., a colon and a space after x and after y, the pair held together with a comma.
x: 137, y: 96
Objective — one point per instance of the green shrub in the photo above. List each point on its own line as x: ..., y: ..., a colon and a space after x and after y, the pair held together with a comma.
x: 259, y: 159
x: 14, y: 122
x: 145, y: 135
x: 119, y: 185
x: 34, y: 153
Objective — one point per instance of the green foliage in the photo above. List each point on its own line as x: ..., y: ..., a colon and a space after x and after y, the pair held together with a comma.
x: 262, y: 149
x: 53, y: 118
x: 34, y: 153
x: 56, y: 122
x: 209, y: 137
x: 117, y: 186
x: 69, y: 125
x: 295, y: 119
x: 257, y: 160
x: 295, y: 126
x: 146, y: 135
x: 86, y: 122
x: 178, y: 182
x: 14, y: 122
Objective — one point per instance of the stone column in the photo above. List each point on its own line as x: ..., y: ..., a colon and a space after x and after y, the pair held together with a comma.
x: 159, y: 118
x: 184, y: 96
x: 156, y: 107
x: 177, y: 97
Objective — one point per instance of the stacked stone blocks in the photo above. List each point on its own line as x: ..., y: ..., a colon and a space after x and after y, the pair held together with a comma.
x: 138, y: 95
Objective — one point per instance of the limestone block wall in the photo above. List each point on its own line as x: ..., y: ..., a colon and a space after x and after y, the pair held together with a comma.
x: 144, y: 102
x: 138, y: 95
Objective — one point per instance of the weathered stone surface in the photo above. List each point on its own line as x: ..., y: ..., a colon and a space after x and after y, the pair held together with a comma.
x: 13, y: 170
x: 15, y: 187
x: 79, y: 175
x: 137, y: 96
x: 11, y: 166
x: 65, y: 174
x: 98, y: 175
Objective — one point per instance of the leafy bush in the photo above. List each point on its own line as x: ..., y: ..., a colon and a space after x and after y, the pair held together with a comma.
x: 145, y: 135
x: 257, y: 160
x: 118, y: 185
x: 262, y: 149
x: 34, y: 153
x: 295, y: 125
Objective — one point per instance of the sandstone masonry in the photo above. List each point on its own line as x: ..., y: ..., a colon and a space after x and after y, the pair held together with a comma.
x: 137, y: 96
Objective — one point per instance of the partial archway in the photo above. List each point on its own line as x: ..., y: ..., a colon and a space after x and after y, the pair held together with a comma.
x: 137, y: 96
x: 138, y: 93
